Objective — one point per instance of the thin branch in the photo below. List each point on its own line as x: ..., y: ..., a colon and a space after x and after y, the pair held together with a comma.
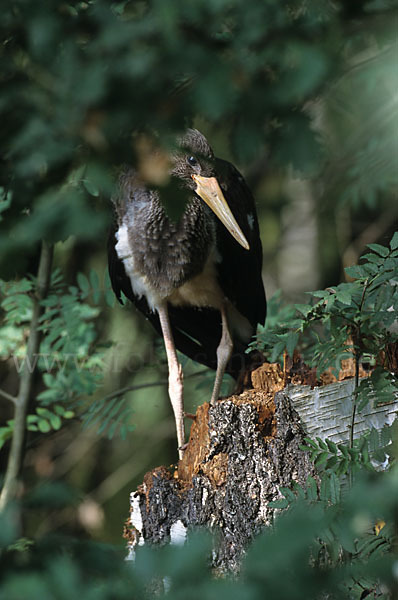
x: 26, y: 379
x: 8, y: 396
x: 132, y: 388
x: 354, y: 403
x: 141, y: 386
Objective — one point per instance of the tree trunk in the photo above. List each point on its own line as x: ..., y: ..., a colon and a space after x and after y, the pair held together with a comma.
x: 241, y: 452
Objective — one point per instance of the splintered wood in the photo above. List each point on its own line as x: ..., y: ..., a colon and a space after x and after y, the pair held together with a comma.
x: 240, y: 453
x: 196, y: 457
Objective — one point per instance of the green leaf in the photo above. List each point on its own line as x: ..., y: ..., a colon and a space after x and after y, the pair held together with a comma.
x: 32, y: 418
x: 311, y: 443
x: 48, y: 395
x: 291, y: 342
x: 344, y: 296
x: 288, y: 493
x: 332, y: 462
x: 370, y: 268
x: 110, y: 298
x: 374, y: 258
x: 354, y: 453
x: 83, y: 284
x: 312, y: 489
x: 374, y: 439
x: 321, y: 458
x: 344, y: 450
x: 55, y: 421
x: 43, y: 412
x: 91, y: 187
x: 5, y: 434
x: 299, y: 491
x: 303, y: 308
x: 332, y: 446
x: 277, y: 351
x: 345, y: 537
x: 334, y: 488
x: 321, y: 443
x: 342, y: 467
x: 94, y: 280
x: 305, y: 448
x: 380, y: 250
x: 44, y: 426
x: 111, y: 430
x: 356, y: 272
x: 394, y: 241
x: 386, y: 435
x: 325, y: 488
x: 365, y: 456
x: 32, y: 427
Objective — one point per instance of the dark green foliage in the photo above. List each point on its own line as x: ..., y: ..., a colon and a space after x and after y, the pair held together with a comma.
x: 71, y: 361
x: 327, y: 543
x: 380, y: 387
x: 350, y: 320
x: 110, y: 415
x: 341, y: 459
x: 345, y: 544
x: 78, y: 79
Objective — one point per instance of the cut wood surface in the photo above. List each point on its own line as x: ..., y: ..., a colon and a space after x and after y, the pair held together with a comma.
x: 240, y: 453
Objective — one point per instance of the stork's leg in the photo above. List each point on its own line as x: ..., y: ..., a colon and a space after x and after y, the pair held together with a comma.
x: 176, y: 387
x: 224, y: 352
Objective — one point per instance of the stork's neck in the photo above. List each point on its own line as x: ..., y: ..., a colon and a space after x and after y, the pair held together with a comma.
x: 166, y: 253
x: 149, y: 221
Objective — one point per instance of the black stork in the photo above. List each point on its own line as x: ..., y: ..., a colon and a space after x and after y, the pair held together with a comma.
x: 197, y: 279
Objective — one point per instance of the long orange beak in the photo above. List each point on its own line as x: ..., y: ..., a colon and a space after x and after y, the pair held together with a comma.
x: 209, y: 190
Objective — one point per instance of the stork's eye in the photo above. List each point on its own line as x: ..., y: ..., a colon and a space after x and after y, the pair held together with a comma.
x: 192, y: 161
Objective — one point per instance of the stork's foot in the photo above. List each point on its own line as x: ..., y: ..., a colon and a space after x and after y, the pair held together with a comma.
x: 181, y: 450
x: 216, y: 399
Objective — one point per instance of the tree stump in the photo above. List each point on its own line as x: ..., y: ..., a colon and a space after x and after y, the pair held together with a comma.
x: 241, y: 452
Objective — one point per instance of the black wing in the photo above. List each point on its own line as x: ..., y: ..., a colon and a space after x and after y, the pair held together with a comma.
x: 240, y: 270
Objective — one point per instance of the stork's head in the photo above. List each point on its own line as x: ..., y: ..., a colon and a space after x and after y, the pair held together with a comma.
x: 193, y: 157
x: 193, y: 164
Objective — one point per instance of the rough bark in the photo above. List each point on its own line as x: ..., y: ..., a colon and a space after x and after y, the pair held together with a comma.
x: 240, y: 453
